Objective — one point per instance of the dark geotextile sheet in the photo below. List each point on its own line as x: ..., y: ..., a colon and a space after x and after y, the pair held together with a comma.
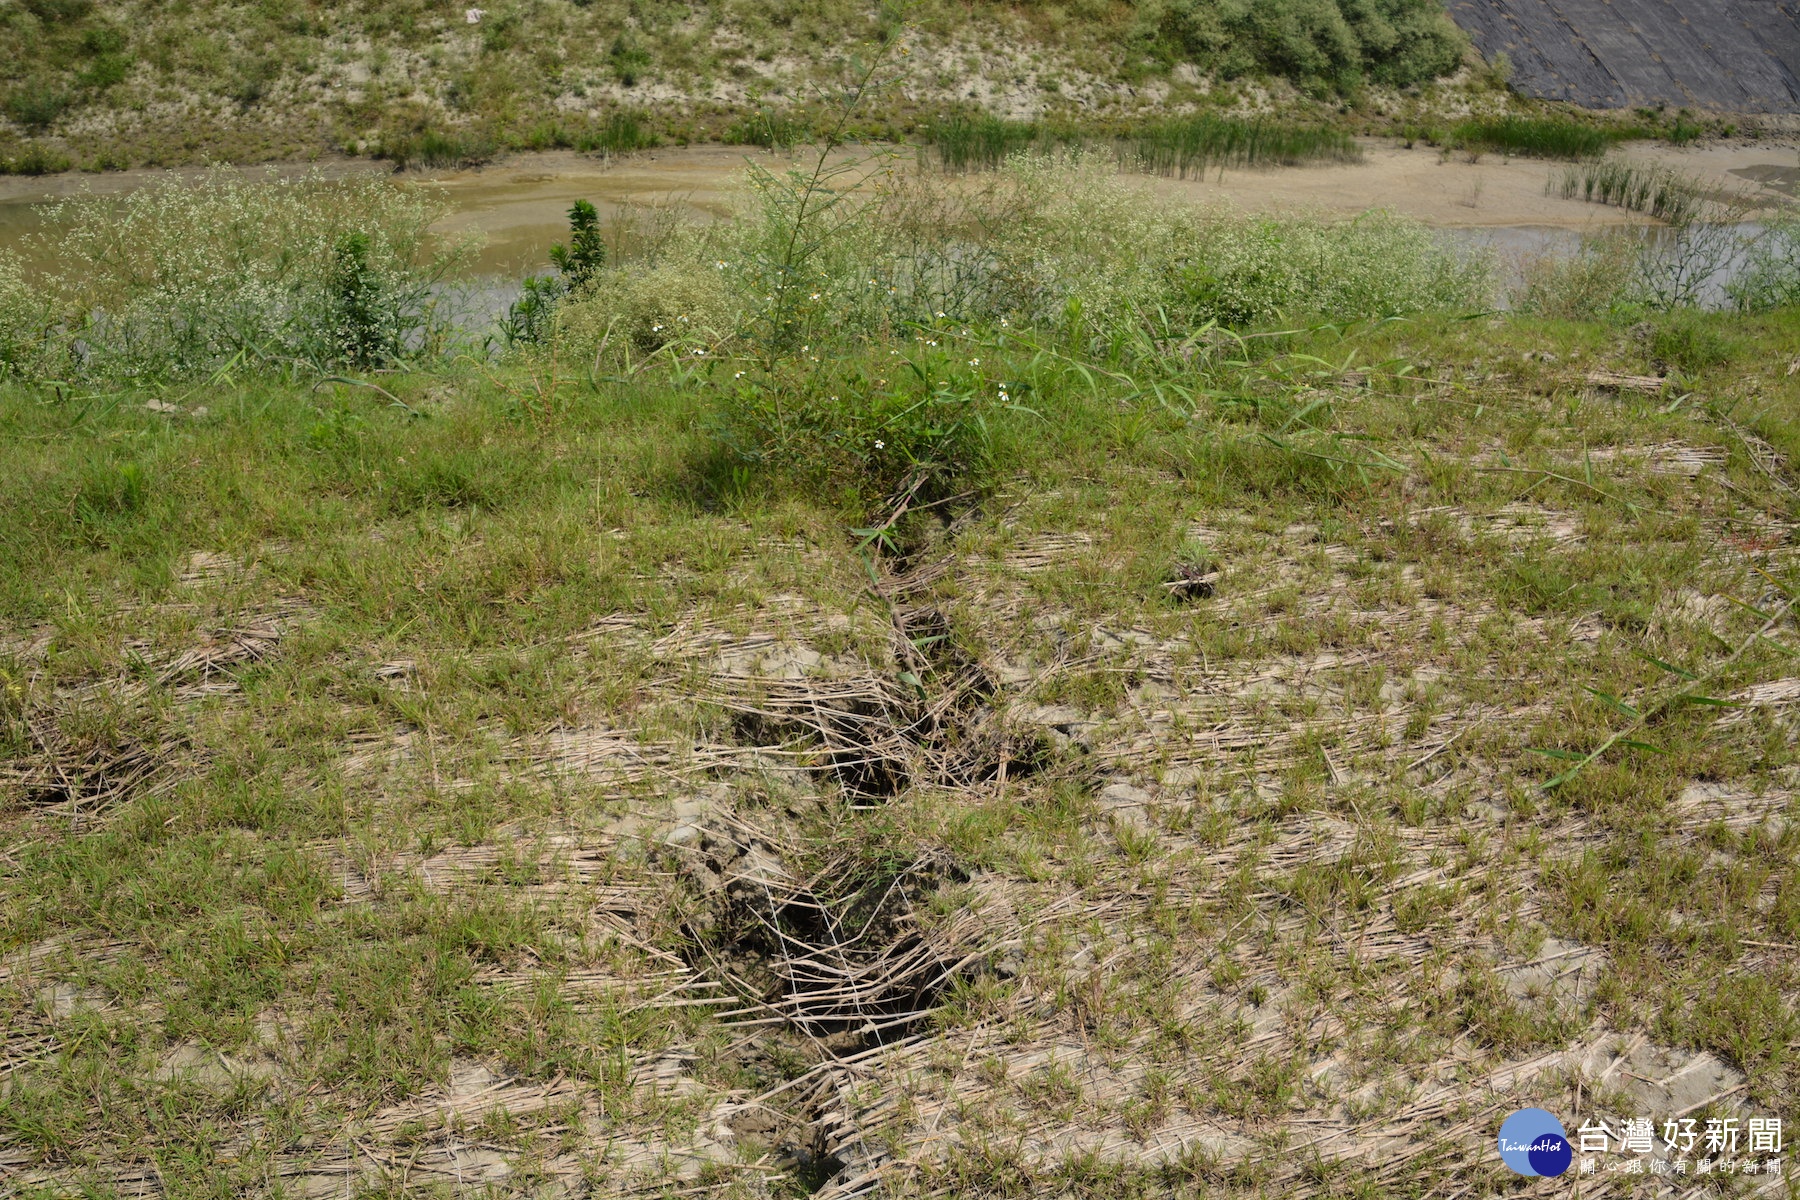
x: 1723, y: 55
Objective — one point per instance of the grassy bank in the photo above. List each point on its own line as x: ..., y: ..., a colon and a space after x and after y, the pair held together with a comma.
x: 907, y: 693
x: 400, y: 791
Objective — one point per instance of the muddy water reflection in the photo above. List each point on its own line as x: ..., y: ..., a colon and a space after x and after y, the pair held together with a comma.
x: 523, y: 211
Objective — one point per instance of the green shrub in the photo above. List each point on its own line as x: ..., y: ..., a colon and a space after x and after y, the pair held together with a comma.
x: 363, y: 330
x: 35, y: 159
x: 103, y: 39
x: 531, y: 317
x: 59, y: 12
x: 586, y: 252
x: 681, y: 296
x: 628, y: 60
x: 252, y: 79
x: 37, y: 104
x: 1326, y: 44
x: 924, y: 428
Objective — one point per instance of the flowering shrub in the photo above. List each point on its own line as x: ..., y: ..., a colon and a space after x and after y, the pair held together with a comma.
x: 22, y: 321
x: 686, y: 295
x: 1247, y: 271
x: 1593, y: 282
x: 180, y: 277
x: 1771, y: 277
x: 921, y: 428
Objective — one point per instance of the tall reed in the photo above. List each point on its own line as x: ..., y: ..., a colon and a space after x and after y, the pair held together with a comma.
x: 1193, y: 144
x: 1533, y: 137
x: 961, y: 142
x: 1655, y: 190
x: 1176, y: 146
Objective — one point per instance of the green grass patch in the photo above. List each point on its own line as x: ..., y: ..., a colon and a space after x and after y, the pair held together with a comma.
x: 1534, y: 137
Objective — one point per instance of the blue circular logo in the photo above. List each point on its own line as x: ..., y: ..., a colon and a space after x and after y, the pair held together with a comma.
x: 1532, y: 1142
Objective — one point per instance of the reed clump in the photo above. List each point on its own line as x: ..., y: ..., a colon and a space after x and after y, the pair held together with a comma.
x: 1652, y: 189
x: 1193, y: 144
x: 1176, y: 146
x: 770, y: 128
x: 622, y: 131
x: 961, y: 142
x: 1533, y: 137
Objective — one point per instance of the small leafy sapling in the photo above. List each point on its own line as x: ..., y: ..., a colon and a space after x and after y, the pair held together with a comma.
x: 529, y: 320
x: 585, y: 254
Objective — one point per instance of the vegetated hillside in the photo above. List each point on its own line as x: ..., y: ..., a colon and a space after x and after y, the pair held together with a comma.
x: 136, y: 81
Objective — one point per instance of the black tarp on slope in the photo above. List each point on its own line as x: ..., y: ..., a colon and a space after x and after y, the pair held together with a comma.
x: 1731, y: 55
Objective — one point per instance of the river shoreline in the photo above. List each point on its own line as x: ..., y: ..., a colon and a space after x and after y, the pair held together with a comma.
x: 518, y: 203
